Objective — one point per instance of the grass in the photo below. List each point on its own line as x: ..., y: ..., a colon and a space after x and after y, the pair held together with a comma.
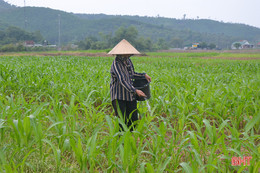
x: 217, y: 54
x: 56, y: 116
x: 182, y: 54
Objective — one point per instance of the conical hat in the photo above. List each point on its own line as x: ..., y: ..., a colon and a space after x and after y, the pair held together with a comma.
x: 124, y: 47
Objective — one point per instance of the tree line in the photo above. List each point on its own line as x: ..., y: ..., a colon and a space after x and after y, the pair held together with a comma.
x: 163, y: 32
x: 107, y: 41
x: 12, y: 39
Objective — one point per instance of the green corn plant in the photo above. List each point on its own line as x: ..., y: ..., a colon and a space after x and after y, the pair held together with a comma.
x: 56, y: 153
x: 2, y: 130
x: 24, y: 160
x: 211, y: 132
x: 92, y: 150
x: 204, y: 112
x: 22, y: 131
x: 147, y: 168
x: 113, y: 137
x: 78, y: 151
x: 38, y: 133
x: 187, y: 168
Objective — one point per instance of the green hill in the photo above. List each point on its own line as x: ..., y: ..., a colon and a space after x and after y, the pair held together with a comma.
x: 76, y: 27
x: 5, y: 6
x: 203, y: 26
x: 3, y: 25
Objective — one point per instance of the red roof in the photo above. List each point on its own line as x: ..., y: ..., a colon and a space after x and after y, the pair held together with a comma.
x: 29, y: 42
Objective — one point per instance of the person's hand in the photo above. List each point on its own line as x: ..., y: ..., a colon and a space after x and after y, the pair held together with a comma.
x: 148, y: 78
x: 140, y: 93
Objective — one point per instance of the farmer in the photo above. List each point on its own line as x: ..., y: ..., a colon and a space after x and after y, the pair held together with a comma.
x: 122, y: 90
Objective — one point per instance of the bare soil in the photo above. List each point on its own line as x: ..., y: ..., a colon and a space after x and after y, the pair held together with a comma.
x: 57, y: 54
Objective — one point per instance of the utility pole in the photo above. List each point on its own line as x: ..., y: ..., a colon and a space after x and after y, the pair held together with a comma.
x: 184, y: 16
x: 59, y: 46
x: 24, y: 13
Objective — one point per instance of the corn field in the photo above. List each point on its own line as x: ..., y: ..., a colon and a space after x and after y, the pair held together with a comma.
x: 56, y: 116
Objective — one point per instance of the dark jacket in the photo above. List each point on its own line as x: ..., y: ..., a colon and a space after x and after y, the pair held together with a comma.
x: 122, y: 75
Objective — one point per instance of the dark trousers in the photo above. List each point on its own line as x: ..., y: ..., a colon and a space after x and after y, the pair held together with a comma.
x: 128, y: 110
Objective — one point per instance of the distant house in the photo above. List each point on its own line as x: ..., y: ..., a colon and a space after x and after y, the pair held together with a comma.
x: 37, y: 45
x: 242, y: 44
x: 29, y: 43
x: 258, y: 45
x: 195, y: 45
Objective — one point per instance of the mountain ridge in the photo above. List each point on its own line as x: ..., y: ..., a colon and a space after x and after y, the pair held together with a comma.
x: 5, y: 6
x: 76, y: 27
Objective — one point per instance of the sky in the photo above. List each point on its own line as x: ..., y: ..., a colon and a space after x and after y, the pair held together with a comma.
x: 234, y: 11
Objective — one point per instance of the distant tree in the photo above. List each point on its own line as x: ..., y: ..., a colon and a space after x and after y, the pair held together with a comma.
x: 2, y: 35
x: 176, y: 43
x: 203, y: 45
x: 108, y: 39
x: 143, y: 44
x: 13, y: 35
x: 81, y: 45
x: 162, y: 44
x: 20, y: 48
x: 37, y: 36
x: 237, y: 45
x: 129, y: 34
x: 212, y: 46
x: 98, y: 45
x: 8, y: 48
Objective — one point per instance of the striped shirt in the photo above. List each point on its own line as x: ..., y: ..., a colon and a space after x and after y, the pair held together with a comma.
x: 122, y: 75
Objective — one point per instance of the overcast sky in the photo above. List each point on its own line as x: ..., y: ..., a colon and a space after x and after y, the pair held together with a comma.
x: 235, y: 11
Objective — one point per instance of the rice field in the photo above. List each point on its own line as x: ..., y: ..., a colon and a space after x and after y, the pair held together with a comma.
x: 56, y: 115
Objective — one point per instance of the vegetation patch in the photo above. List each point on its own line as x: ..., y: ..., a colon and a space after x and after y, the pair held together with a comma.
x: 56, y: 116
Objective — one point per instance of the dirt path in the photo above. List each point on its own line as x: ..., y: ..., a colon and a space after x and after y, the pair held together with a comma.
x: 102, y: 54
